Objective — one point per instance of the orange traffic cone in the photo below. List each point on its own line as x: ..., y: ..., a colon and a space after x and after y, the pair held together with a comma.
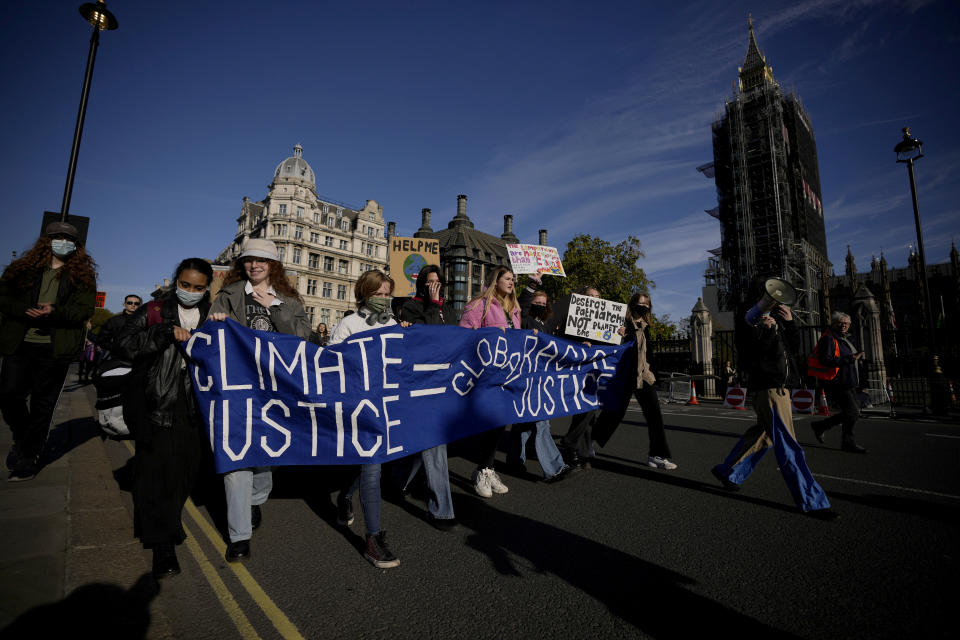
x: 693, y: 393
x: 823, y: 409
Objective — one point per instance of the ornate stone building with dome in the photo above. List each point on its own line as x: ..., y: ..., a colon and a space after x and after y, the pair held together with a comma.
x: 324, y: 245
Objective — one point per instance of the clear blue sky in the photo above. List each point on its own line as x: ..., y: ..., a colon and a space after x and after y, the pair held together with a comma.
x: 577, y: 117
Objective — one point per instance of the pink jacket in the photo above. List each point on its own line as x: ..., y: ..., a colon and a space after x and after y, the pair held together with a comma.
x: 495, y: 316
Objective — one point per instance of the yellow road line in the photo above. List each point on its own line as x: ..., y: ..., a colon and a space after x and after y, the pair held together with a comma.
x: 280, y: 621
x: 223, y: 594
x: 283, y: 625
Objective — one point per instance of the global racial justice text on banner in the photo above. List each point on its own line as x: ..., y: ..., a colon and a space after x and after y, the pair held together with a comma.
x: 273, y: 399
x: 407, y: 257
x: 595, y: 318
x: 535, y: 258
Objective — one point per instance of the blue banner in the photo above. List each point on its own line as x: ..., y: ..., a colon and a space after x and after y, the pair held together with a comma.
x: 273, y: 399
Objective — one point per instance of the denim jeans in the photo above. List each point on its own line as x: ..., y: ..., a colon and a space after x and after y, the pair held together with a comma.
x: 547, y: 453
x: 245, y: 488
x: 369, y: 484
x: 434, y: 463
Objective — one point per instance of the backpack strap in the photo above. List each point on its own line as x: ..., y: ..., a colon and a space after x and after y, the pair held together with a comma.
x: 154, y: 312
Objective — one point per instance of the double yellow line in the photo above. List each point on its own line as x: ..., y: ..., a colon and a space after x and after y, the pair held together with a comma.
x: 280, y: 621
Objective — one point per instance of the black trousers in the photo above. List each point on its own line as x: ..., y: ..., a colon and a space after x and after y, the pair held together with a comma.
x: 31, y: 371
x: 578, y: 436
x: 486, y: 444
x: 649, y: 403
x: 165, y: 470
x: 844, y: 399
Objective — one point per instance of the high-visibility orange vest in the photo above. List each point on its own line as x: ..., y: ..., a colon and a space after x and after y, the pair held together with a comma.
x: 817, y: 369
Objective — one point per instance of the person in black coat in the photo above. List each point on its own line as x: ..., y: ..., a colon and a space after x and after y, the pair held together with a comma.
x: 429, y: 307
x: 764, y: 350
x: 161, y: 410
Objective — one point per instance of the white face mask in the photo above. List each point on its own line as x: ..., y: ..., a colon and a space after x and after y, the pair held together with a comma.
x: 62, y: 247
x: 189, y: 299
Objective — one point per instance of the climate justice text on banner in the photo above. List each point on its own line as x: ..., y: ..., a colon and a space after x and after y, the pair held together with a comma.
x: 595, y: 318
x: 407, y: 257
x: 535, y: 258
x: 273, y: 399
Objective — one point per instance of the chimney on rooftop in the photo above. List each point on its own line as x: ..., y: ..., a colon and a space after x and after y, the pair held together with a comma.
x: 543, y: 237
x: 391, y: 229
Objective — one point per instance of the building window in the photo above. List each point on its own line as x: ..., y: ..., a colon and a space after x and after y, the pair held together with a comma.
x: 328, y: 241
x: 370, y: 231
x: 281, y: 252
x: 327, y: 290
x: 283, y: 210
x: 341, y: 292
x: 327, y: 263
x: 345, y: 224
x: 370, y: 249
x: 325, y: 316
x: 331, y: 222
x: 299, y: 212
x: 339, y: 316
x: 310, y: 311
x: 343, y: 267
x: 316, y: 217
x: 283, y: 230
x: 296, y: 255
x: 344, y: 245
x: 313, y: 260
x: 298, y: 233
x: 314, y: 237
x: 311, y: 287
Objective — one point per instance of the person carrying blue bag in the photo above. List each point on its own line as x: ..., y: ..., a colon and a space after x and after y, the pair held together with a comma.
x: 764, y: 349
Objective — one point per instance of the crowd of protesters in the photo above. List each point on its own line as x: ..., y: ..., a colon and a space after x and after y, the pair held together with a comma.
x: 46, y: 298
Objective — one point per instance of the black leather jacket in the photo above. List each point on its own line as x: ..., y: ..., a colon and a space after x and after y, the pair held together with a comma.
x: 158, y: 376
x: 766, y: 354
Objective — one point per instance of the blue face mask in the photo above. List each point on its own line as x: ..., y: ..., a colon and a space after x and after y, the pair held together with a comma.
x: 62, y: 248
x: 189, y: 299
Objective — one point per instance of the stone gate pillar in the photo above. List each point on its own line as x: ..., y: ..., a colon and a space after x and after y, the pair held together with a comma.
x: 701, y: 346
x: 866, y: 320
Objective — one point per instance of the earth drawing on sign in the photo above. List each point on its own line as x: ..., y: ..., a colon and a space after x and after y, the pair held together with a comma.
x: 411, y: 267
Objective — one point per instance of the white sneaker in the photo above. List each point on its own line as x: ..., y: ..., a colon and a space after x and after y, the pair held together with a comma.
x: 660, y: 463
x: 494, y: 481
x: 481, y: 483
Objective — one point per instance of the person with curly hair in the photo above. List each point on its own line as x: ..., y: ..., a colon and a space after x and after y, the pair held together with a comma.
x: 257, y: 294
x: 46, y: 298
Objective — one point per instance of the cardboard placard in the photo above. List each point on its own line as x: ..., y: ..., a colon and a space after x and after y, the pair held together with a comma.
x: 535, y: 258
x: 595, y: 319
x: 407, y: 257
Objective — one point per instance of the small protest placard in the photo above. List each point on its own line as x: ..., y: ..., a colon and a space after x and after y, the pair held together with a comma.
x: 535, y: 258
x: 595, y: 319
x: 407, y: 257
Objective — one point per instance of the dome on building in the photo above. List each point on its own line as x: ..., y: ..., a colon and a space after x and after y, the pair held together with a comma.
x: 295, y: 167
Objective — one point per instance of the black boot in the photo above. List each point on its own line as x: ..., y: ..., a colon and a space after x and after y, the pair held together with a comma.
x: 165, y: 561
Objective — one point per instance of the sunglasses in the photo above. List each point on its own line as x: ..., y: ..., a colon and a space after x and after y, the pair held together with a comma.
x: 133, y: 303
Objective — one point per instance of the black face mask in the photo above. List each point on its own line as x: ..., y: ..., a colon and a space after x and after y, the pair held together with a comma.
x: 640, y: 310
x: 538, y: 310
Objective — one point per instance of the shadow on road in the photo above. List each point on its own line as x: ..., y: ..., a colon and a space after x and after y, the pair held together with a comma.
x: 67, y: 436
x: 96, y: 610
x: 652, y: 599
x: 947, y: 514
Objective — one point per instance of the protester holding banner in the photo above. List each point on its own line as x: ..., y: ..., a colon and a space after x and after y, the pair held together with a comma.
x: 497, y: 307
x: 764, y: 349
x: 535, y: 311
x: 576, y: 444
x: 639, y: 315
x: 257, y: 294
x: 429, y: 307
x: 162, y: 411
x: 372, y: 292
x: 46, y: 296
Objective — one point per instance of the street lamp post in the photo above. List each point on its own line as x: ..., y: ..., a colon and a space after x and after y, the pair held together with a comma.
x: 101, y: 19
x: 908, y: 150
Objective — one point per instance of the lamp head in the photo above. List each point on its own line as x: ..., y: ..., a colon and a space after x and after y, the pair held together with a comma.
x: 98, y: 15
x: 909, y: 148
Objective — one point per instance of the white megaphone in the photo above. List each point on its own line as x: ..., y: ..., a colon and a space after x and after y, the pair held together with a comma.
x: 776, y: 291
